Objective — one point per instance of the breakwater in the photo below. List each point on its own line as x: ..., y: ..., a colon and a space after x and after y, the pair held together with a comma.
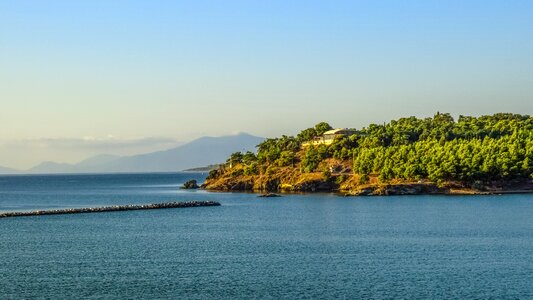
x: 108, y: 208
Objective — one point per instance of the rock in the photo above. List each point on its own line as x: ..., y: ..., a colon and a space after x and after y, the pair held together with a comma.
x: 363, y: 192
x: 269, y: 195
x: 191, y: 184
x: 272, y: 185
x: 240, y: 186
x: 397, y: 189
x: 315, y: 186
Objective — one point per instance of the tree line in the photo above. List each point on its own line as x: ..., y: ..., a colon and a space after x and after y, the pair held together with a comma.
x: 486, y: 148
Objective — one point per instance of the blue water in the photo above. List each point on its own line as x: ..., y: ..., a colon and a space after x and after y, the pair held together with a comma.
x: 297, y: 246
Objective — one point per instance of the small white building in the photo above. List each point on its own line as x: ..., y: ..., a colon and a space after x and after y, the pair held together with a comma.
x: 329, y: 136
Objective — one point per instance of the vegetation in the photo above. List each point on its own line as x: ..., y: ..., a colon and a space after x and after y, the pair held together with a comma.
x: 191, y: 184
x: 471, y: 151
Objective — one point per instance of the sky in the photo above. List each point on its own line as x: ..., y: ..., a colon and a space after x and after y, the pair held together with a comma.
x: 80, y: 78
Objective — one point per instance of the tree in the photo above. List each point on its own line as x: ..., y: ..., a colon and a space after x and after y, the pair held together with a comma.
x: 310, y: 160
x: 306, y: 135
x: 322, y: 127
x: 249, y: 158
x: 286, y: 158
x: 235, y: 158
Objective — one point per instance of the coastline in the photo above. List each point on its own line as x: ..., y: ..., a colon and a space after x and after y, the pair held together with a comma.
x: 265, y: 184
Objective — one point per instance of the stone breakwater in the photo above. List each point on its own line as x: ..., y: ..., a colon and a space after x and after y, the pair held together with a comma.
x: 108, y: 208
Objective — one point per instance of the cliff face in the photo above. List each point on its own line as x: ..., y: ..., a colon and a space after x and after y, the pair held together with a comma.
x: 288, y: 179
x: 283, y: 179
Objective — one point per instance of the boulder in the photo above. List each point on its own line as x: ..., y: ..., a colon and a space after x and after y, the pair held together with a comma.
x: 191, y: 184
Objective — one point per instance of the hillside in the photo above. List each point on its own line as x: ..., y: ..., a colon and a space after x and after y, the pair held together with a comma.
x: 406, y: 156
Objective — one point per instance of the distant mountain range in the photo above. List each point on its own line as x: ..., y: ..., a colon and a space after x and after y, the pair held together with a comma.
x: 198, y: 153
x: 4, y: 170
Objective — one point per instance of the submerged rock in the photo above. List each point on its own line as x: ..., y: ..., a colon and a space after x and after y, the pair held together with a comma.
x: 269, y: 195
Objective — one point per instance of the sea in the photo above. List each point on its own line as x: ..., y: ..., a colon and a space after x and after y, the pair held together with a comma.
x: 299, y: 246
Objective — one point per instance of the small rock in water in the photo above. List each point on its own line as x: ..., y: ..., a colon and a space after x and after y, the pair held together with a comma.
x: 269, y: 195
x: 191, y: 184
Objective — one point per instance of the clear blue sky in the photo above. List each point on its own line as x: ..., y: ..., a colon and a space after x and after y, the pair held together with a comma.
x: 84, y: 77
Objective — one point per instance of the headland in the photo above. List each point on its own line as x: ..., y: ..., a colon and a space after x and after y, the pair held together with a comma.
x: 409, y: 156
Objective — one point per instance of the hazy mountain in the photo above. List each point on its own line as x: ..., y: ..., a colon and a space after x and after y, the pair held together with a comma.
x: 4, y: 170
x: 201, y: 152
x: 96, y: 161
x: 52, y: 167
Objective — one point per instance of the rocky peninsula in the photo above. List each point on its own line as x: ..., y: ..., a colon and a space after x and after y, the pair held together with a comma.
x: 409, y: 156
x: 109, y: 208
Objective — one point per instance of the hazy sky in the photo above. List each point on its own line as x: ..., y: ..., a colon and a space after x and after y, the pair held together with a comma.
x: 79, y: 78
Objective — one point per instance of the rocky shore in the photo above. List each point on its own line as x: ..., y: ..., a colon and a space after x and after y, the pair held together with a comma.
x: 350, y: 186
x: 109, y: 208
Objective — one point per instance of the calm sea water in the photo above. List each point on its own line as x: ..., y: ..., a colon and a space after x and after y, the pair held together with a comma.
x: 297, y: 246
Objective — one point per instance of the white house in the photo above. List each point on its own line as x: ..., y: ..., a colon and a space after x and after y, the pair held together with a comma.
x: 329, y: 136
